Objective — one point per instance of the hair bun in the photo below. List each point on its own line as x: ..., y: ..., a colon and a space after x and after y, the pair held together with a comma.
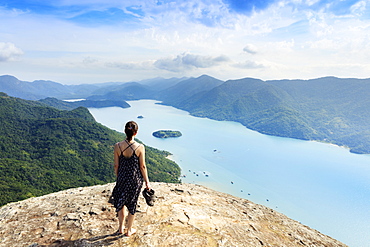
x: 131, y: 128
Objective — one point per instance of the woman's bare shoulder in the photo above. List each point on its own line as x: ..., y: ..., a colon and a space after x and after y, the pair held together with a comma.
x: 140, y: 148
x: 120, y: 145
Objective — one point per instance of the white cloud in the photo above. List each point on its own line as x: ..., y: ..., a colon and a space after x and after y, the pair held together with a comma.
x: 248, y: 65
x: 251, y: 49
x: 359, y: 8
x: 9, y: 52
x: 186, y: 62
x: 285, y: 39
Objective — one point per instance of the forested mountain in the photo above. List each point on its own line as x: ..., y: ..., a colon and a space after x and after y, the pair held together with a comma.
x: 173, y: 90
x: 127, y: 91
x: 159, y: 84
x: 64, y: 105
x: 31, y: 90
x: 44, y: 149
x: 187, y: 88
x: 43, y: 89
x: 327, y: 109
x: 40, y: 89
x: 251, y: 102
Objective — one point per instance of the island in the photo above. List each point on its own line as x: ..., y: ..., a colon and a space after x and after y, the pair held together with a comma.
x: 166, y: 133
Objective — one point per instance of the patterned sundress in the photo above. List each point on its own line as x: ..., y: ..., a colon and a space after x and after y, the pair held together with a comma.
x: 129, y: 181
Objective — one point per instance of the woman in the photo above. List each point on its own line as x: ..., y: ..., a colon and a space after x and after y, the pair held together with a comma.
x: 130, y: 169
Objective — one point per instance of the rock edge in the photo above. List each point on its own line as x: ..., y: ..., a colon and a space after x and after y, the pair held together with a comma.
x: 183, y: 215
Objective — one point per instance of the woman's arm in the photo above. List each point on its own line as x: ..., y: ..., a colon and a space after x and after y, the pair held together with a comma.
x: 143, y: 169
x: 116, y: 155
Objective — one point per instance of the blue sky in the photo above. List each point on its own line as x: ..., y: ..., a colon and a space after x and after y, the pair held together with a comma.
x: 91, y: 41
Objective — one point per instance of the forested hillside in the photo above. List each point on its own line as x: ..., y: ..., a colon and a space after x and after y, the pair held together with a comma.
x: 64, y: 105
x: 44, y: 149
x: 127, y: 91
x: 327, y: 109
x: 187, y: 88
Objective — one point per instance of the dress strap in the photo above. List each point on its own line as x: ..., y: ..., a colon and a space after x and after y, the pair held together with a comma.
x: 136, y: 148
x: 129, y: 146
x: 119, y: 148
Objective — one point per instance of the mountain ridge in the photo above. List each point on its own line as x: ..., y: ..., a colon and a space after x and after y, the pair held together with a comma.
x: 328, y: 109
x: 333, y: 115
x: 187, y: 88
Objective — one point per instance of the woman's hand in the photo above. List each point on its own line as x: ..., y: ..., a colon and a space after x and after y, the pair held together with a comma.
x: 147, y: 185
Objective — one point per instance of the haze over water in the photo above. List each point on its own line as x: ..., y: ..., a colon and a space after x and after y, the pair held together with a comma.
x: 321, y: 185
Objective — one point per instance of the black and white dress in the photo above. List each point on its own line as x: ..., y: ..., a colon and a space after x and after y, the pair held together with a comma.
x: 129, y: 181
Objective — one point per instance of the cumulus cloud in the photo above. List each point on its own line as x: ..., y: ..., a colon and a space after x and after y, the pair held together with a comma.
x: 185, y: 62
x: 251, y: 49
x: 180, y: 63
x: 9, y: 52
x: 149, y: 37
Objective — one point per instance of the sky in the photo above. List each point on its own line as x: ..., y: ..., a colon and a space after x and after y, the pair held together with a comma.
x: 96, y: 41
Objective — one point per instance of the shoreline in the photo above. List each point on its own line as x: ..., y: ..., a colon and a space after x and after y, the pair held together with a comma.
x: 261, y: 131
x: 257, y: 174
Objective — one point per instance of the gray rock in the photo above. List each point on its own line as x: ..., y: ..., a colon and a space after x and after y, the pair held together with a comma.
x: 183, y: 215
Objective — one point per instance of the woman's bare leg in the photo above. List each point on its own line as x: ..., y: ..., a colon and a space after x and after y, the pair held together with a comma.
x: 121, y: 217
x: 130, y: 221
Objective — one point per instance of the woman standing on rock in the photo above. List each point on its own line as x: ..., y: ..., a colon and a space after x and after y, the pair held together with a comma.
x: 131, y: 172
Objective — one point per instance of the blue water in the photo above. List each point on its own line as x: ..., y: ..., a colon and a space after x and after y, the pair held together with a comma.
x: 320, y: 185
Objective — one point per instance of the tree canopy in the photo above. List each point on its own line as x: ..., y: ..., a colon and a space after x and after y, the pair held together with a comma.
x: 44, y: 150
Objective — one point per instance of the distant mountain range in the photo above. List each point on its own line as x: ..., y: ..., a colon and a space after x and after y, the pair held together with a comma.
x: 65, y: 105
x: 328, y: 109
x: 40, y: 89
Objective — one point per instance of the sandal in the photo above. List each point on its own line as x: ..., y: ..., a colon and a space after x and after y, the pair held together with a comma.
x: 149, y: 196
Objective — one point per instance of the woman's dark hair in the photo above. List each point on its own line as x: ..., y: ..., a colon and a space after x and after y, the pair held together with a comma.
x: 131, y: 128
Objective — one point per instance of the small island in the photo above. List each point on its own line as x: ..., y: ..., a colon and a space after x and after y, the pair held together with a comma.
x: 166, y: 133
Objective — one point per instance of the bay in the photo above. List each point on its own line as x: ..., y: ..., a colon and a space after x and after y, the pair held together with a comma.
x: 321, y: 185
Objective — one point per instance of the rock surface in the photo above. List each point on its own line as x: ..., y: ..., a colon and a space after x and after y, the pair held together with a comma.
x: 183, y: 215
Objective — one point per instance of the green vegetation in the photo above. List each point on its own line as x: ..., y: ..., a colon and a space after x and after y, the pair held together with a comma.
x: 44, y: 150
x: 328, y: 109
x: 63, y: 105
x: 166, y: 133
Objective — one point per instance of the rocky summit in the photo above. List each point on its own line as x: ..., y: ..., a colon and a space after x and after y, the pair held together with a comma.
x: 183, y: 215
